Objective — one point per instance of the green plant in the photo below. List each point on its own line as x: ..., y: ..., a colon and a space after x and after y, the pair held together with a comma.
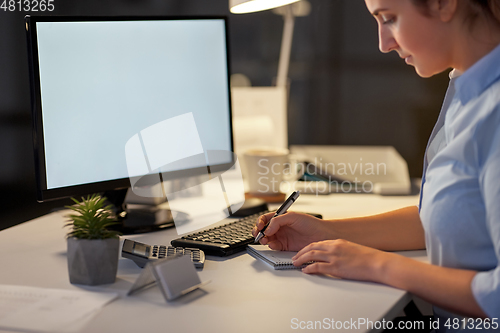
x: 92, y: 219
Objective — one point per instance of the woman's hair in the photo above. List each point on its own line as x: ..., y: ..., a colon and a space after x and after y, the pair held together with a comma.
x: 488, y: 8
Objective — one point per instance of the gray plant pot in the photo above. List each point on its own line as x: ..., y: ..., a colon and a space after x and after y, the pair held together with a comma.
x: 92, y: 261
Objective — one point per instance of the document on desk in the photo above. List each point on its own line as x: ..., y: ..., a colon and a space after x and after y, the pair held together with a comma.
x: 48, y: 310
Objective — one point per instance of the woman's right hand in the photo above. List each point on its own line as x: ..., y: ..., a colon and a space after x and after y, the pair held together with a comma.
x: 292, y: 231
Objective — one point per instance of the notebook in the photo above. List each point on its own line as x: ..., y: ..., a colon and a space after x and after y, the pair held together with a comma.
x: 279, y: 260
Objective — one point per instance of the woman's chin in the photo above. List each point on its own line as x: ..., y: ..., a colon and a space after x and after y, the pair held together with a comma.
x: 422, y: 72
x: 426, y: 72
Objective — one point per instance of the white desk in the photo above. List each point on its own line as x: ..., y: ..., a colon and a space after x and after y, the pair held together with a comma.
x: 245, y: 295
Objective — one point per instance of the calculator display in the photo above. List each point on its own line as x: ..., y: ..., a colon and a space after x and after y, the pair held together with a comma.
x: 141, y: 249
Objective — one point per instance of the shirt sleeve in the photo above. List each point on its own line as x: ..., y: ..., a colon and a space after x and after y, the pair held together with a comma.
x: 486, y: 284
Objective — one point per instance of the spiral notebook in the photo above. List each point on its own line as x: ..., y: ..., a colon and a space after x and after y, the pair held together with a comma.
x: 279, y: 260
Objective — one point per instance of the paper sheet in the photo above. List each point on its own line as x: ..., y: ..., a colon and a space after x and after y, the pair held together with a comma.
x: 48, y: 310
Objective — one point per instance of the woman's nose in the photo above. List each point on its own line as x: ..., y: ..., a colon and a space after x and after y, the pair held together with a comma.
x: 387, y: 43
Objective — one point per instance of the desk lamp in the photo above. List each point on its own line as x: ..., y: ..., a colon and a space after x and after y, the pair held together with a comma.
x: 250, y: 6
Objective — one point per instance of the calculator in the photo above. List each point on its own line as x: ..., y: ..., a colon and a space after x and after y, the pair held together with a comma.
x: 141, y: 253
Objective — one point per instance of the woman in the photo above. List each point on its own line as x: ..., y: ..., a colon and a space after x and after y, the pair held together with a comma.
x: 458, y: 218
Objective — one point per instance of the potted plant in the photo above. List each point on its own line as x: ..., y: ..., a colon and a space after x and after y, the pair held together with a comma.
x: 92, y: 247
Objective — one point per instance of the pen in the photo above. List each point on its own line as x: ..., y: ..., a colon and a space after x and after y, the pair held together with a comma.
x: 282, y: 210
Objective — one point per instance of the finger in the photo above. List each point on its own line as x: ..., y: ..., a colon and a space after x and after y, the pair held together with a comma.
x: 313, y: 255
x: 263, y: 220
x: 317, y: 268
x: 312, y: 246
x: 266, y: 240
x: 278, y: 222
x: 275, y: 245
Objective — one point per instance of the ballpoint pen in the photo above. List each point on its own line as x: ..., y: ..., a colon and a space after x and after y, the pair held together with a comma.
x: 282, y: 210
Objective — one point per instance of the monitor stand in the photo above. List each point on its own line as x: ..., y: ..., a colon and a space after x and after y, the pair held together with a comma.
x: 139, y: 220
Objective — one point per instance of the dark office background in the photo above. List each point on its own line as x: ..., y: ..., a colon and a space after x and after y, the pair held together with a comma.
x: 343, y: 90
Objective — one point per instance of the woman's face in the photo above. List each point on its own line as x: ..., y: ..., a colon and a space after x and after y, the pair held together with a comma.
x: 422, y: 41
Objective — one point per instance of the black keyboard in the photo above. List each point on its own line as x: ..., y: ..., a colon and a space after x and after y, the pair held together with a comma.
x: 223, y: 240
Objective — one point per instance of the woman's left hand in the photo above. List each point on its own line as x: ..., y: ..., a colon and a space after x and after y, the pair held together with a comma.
x: 343, y: 259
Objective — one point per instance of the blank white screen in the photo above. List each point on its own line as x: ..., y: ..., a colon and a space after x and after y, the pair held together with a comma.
x: 103, y: 82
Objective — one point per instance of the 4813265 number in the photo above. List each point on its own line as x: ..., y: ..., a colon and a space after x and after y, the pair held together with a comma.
x: 27, y: 5
x: 472, y: 323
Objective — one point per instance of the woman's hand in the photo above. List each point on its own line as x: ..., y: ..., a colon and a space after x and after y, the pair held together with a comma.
x: 344, y: 259
x: 292, y: 231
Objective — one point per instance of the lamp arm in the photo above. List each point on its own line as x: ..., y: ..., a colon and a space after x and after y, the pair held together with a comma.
x: 286, y: 47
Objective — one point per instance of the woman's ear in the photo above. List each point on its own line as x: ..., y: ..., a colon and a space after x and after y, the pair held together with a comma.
x: 445, y: 10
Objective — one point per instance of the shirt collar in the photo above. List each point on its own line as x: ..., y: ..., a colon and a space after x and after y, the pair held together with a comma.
x: 454, y: 74
x: 479, y: 77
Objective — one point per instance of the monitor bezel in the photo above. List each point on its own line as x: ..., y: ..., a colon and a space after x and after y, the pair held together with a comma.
x: 42, y: 192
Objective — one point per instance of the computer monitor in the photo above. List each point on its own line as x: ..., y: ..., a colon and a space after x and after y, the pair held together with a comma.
x: 96, y: 82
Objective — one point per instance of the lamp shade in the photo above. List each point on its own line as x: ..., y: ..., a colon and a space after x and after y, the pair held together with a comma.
x: 249, y: 6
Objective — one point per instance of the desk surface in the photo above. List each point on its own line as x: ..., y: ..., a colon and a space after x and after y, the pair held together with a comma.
x: 242, y: 289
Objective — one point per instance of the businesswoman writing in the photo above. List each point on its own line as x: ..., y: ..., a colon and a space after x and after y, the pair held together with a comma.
x: 458, y: 218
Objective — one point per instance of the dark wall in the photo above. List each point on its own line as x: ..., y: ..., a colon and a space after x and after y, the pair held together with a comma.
x: 343, y: 90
